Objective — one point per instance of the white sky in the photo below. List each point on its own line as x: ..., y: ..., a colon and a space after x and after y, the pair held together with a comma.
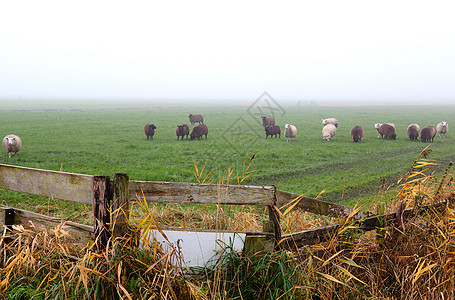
x: 294, y: 50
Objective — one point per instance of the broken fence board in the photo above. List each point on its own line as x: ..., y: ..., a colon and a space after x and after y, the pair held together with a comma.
x: 79, y: 232
x: 322, y: 234
x: 177, y: 192
x: 58, y: 185
x: 318, y: 206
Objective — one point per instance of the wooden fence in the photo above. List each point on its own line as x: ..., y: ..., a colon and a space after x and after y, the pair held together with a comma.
x: 111, y: 198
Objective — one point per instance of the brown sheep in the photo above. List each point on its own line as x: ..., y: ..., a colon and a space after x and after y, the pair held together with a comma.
x: 427, y: 134
x: 182, y: 130
x: 205, y: 130
x: 196, y: 119
x: 272, y: 130
x: 356, y: 133
x: 267, y: 121
x: 149, y: 130
x: 413, y: 132
x: 197, y: 132
x: 387, y: 131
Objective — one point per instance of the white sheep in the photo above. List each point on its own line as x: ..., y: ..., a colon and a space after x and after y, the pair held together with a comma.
x: 330, y: 121
x: 328, y: 132
x: 290, y: 132
x: 442, y: 128
x: 377, y: 125
x: 12, y: 144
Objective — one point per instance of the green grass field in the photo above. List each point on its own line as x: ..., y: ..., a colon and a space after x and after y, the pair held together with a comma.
x: 97, y: 139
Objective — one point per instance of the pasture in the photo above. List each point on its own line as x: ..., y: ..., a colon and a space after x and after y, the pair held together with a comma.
x: 109, y: 138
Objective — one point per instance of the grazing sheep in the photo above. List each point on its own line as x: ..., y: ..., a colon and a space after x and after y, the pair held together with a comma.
x: 413, y: 132
x: 356, y: 133
x: 149, y: 130
x: 290, y: 132
x: 205, y: 130
x: 328, y: 132
x: 267, y: 121
x: 182, y: 130
x: 442, y: 128
x: 427, y: 134
x: 330, y: 121
x: 387, y: 131
x: 196, y: 119
x: 272, y: 130
x: 377, y: 125
x: 12, y: 144
x: 197, y: 132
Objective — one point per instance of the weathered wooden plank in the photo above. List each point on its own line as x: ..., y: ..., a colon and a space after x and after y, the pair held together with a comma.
x: 120, y: 205
x: 101, y: 206
x: 275, y: 218
x: 309, y: 237
x: 58, y: 185
x: 177, y: 192
x: 318, y: 206
x: 79, y: 232
x: 318, y: 235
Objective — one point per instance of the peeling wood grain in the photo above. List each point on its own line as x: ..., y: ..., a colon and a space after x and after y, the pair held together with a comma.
x: 58, y: 185
x: 177, y: 192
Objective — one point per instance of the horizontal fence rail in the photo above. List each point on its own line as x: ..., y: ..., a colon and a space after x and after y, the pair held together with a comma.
x: 59, y: 185
x: 177, y: 192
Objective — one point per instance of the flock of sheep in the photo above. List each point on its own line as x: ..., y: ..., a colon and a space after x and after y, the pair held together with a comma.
x: 386, y: 130
x: 183, y: 129
x: 12, y: 143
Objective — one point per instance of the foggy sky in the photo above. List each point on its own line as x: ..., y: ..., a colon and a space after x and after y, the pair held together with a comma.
x: 330, y: 51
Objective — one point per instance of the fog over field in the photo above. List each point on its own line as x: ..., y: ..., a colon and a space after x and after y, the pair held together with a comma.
x: 308, y: 52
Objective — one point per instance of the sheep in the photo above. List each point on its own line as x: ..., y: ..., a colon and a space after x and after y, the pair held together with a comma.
x: 149, y: 130
x: 413, y: 132
x: 12, y: 144
x: 268, y: 121
x: 272, y: 130
x: 290, y: 132
x: 356, y: 133
x: 205, y: 130
x: 197, y: 132
x: 182, y: 130
x: 328, y: 132
x: 377, y: 125
x: 442, y: 128
x: 387, y: 131
x: 196, y: 119
x: 427, y: 134
x: 330, y: 121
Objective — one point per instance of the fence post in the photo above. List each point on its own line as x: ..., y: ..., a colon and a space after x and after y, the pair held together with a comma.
x: 120, y: 205
x: 101, y: 210
x: 275, y: 218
